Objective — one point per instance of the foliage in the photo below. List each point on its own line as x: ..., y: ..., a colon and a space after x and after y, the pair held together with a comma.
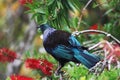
x: 73, y: 71
x: 54, y: 12
x: 112, y: 12
x: 79, y: 72
x: 64, y: 15
x: 7, y: 55
x: 67, y: 14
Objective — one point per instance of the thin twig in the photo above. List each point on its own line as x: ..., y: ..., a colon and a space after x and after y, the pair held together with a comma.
x: 94, y: 46
x: 80, y: 18
x: 61, y: 78
x: 118, y: 64
x: 97, y: 31
x: 98, y: 52
x: 88, y: 42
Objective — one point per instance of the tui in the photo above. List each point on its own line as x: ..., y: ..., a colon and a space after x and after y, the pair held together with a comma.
x: 64, y: 47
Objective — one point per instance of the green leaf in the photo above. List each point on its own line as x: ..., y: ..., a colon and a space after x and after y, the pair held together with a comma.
x: 40, y: 10
x: 59, y: 4
x: 27, y: 54
x: 107, y: 27
x: 75, y: 22
x: 108, y: 11
x: 39, y: 30
x: 95, y: 5
x: 8, y: 78
x: 29, y: 11
x: 50, y: 2
x: 36, y: 54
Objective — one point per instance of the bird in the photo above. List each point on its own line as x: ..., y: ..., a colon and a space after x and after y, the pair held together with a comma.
x: 64, y: 47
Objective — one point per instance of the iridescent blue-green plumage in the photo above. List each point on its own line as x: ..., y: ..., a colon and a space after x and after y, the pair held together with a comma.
x: 64, y: 47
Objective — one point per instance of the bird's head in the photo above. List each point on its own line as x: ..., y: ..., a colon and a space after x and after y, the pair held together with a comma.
x: 43, y: 27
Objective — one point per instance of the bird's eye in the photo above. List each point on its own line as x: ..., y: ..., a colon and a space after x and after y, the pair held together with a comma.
x: 38, y: 30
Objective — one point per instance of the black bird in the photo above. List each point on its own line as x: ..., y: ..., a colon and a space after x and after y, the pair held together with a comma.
x: 64, y: 47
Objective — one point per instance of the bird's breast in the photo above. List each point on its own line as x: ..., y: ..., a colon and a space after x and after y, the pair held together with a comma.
x: 52, y: 39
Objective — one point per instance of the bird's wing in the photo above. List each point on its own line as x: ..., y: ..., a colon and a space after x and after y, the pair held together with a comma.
x: 67, y: 52
x: 73, y: 41
x: 88, y: 59
x: 63, y: 52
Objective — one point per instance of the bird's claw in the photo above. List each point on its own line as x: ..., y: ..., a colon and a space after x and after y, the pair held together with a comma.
x: 98, y: 68
x: 57, y: 73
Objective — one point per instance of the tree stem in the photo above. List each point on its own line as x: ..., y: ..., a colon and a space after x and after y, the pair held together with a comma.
x: 97, y: 31
x: 84, y: 8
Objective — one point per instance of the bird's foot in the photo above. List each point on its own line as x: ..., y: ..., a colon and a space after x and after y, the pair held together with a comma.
x: 60, y: 74
x: 57, y: 73
x: 98, y: 68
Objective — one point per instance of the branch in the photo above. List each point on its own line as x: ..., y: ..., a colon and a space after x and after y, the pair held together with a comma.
x: 80, y: 18
x: 97, y: 31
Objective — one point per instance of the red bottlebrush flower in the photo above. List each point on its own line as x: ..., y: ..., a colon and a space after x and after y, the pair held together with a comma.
x: 40, y: 64
x: 32, y: 63
x: 7, y: 55
x: 94, y: 27
x: 46, y: 67
x: 22, y: 2
x: 114, y: 52
x: 47, y: 63
x: 18, y: 77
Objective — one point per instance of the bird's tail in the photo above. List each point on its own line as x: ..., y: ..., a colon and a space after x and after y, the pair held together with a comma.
x: 87, y: 59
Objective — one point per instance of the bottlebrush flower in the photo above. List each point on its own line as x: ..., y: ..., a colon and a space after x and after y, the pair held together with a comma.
x: 114, y: 52
x: 22, y: 2
x: 18, y: 77
x: 40, y: 64
x: 7, y: 55
x: 94, y: 27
